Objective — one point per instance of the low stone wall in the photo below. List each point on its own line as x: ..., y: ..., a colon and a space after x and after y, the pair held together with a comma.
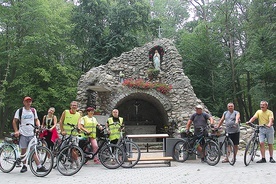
x: 245, y: 134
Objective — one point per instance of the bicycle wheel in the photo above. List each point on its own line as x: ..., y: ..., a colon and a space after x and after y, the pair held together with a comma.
x: 111, y: 156
x: 230, y: 151
x: 70, y: 160
x: 43, y: 156
x: 249, y: 153
x: 55, y: 150
x: 181, y: 151
x: 7, y: 158
x: 132, y: 153
x: 211, y: 152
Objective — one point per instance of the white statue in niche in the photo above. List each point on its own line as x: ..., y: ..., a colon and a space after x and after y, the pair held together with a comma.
x: 121, y: 77
x: 156, y: 60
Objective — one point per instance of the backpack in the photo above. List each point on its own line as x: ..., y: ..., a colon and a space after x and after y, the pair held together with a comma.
x: 20, y: 114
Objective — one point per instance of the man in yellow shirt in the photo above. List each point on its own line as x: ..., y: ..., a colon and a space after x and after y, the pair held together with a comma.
x: 266, y: 118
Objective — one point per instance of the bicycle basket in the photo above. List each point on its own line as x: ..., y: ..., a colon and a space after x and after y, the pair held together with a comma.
x: 217, y: 132
x: 13, y: 140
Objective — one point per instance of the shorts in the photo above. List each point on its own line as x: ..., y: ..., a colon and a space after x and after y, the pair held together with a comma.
x: 266, y: 133
x: 24, y: 141
x: 198, y: 132
x: 235, y: 137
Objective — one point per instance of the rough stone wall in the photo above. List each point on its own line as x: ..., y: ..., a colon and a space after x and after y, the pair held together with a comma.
x: 179, y: 103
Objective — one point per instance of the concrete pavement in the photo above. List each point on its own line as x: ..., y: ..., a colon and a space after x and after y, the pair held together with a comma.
x: 191, y: 171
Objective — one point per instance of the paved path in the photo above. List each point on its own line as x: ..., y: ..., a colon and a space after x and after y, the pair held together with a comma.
x: 192, y: 171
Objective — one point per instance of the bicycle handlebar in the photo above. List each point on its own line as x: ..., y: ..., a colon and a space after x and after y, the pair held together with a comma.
x: 256, y: 126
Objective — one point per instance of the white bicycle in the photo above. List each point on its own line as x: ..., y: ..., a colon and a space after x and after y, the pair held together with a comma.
x: 34, y: 156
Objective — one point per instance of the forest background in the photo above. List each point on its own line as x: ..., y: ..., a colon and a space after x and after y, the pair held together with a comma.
x: 227, y: 46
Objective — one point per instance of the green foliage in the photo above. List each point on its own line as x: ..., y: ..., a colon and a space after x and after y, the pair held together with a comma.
x: 202, y: 57
x: 36, y: 58
x: 171, y: 15
x: 261, y: 51
x: 104, y: 29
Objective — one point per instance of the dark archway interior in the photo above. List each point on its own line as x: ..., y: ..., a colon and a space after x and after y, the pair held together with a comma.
x: 142, y: 109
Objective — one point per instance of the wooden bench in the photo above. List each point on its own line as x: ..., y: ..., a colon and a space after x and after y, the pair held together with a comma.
x: 149, y: 159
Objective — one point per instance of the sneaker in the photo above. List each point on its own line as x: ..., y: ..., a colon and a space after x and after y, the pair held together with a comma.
x: 202, y: 160
x: 24, y: 169
x: 41, y: 169
x: 263, y: 160
x: 271, y: 160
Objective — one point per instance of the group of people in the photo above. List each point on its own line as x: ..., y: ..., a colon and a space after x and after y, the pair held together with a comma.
x: 87, y: 125
x: 231, y: 118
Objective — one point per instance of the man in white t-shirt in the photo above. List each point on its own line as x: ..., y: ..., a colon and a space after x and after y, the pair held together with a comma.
x: 26, y: 132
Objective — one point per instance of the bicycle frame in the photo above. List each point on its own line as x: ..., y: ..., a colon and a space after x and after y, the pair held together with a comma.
x: 194, y: 142
x: 105, y: 141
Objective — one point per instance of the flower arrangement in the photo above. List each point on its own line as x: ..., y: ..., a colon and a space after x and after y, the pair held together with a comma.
x: 142, y: 84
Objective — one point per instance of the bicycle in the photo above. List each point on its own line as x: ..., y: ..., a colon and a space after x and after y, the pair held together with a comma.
x: 184, y: 148
x: 226, y: 146
x: 253, y: 144
x: 69, y: 156
x: 131, y: 150
x: 35, y: 155
x: 110, y: 155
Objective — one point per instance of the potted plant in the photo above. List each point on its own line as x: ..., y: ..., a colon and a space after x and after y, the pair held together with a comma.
x: 98, y: 112
x: 153, y: 73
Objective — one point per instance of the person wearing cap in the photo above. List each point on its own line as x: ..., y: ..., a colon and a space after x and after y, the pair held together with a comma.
x: 232, y: 123
x: 23, y: 116
x: 114, y: 124
x: 266, y: 118
x: 200, y: 122
x: 88, y: 125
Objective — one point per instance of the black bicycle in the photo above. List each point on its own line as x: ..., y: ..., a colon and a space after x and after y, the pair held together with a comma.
x: 226, y: 146
x: 110, y: 155
x: 69, y: 157
x: 253, y: 144
x: 188, y: 146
